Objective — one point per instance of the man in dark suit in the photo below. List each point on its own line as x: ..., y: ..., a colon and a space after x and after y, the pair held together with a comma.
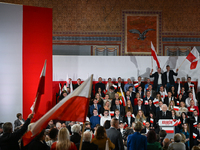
x: 178, y: 81
x: 78, y: 83
x: 96, y: 106
x: 197, y: 132
x: 188, y: 85
x: 114, y: 135
x: 132, y: 94
x: 195, y: 116
x: 169, y: 98
x: 99, y: 85
x: 152, y: 92
x: 158, y: 79
x: 139, y: 107
x: 148, y: 97
x: 128, y: 119
x: 169, y: 77
x: 9, y: 139
x: 140, y: 83
x: 117, y: 116
x: 146, y: 129
x: 150, y: 107
x: 119, y: 107
x: 164, y: 113
x: 119, y: 84
x: 86, y: 145
x: 128, y: 97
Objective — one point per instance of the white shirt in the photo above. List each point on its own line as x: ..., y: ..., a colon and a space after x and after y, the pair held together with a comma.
x: 119, y: 84
x: 167, y: 76
x: 187, y: 102
x: 139, y: 107
x: 129, y: 121
x: 195, y: 117
x: 159, y: 79
x: 22, y: 122
x: 103, y: 119
x: 147, y: 130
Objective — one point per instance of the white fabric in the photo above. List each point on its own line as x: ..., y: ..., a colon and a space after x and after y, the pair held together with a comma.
x: 167, y: 76
x: 187, y: 102
x: 103, y: 119
x: 159, y: 79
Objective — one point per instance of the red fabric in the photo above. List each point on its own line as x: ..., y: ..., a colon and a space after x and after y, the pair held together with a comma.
x: 193, y: 65
x: 135, y: 101
x: 37, y: 47
x: 73, y: 146
x: 153, y: 53
x: 190, y: 57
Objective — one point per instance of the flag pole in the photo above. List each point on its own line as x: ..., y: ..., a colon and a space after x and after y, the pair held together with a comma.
x: 83, y: 129
x: 35, y: 102
x: 152, y: 62
x: 181, y: 63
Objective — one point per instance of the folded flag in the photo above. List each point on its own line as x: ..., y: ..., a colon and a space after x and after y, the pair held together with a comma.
x: 105, y: 91
x: 151, y: 120
x: 195, y: 124
x: 125, y: 125
x: 155, y: 101
x: 136, y: 85
x: 166, y: 93
x: 177, y: 102
x: 123, y: 97
x: 146, y: 103
x: 193, y: 58
x: 176, y: 108
x: 111, y: 113
x: 194, y: 136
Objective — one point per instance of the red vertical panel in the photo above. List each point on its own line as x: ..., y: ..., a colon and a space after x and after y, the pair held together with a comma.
x: 37, y: 46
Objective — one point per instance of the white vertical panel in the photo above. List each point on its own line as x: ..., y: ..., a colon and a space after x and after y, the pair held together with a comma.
x: 10, y: 61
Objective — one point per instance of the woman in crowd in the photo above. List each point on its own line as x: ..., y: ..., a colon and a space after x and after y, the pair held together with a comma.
x: 150, y: 107
x: 183, y: 119
x: 176, y: 118
x: 53, y: 136
x: 184, y: 140
x: 182, y: 109
x: 173, y: 91
x: 151, y: 141
x: 101, y: 94
x: 128, y: 106
x: 19, y: 122
x: 101, y: 138
x: 137, y: 97
x: 158, y: 98
x: 100, y: 101
x: 140, y: 116
x: 106, y: 124
x: 152, y: 120
x: 63, y: 142
x: 171, y: 105
x: 105, y: 117
x: 180, y: 98
x: 185, y: 131
x: 106, y: 106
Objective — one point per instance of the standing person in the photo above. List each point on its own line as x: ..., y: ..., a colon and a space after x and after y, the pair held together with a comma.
x: 177, y: 145
x: 185, y: 131
x: 63, y: 142
x: 151, y: 141
x: 169, y: 77
x: 137, y: 141
x: 105, y: 117
x: 188, y: 85
x: 19, y: 122
x: 158, y: 79
x: 99, y: 85
x: 95, y: 119
x: 101, y: 138
x: 78, y: 83
x: 119, y: 84
x: 9, y: 139
x: 114, y: 135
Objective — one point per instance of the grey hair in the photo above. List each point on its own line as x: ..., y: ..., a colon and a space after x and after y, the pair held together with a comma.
x: 87, y: 136
x: 177, y: 137
x: 164, y: 105
x: 76, y: 128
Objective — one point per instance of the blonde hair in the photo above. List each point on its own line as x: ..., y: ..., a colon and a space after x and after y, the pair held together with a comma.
x: 170, y: 105
x: 138, y: 116
x: 63, y: 140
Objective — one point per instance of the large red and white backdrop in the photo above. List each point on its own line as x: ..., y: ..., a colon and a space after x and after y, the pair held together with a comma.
x: 25, y: 43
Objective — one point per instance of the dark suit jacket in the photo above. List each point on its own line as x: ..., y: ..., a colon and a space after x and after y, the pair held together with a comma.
x: 187, y: 87
x: 122, y: 109
x: 118, y: 89
x: 131, y: 99
x: 116, y: 138
x: 36, y: 144
x: 9, y: 141
x: 155, y: 81
x: 171, y: 78
x: 196, y: 131
x: 166, y: 101
x: 176, y: 86
x: 87, y: 146
x: 148, y: 109
x: 75, y: 138
x: 75, y: 86
x: 168, y: 115
x: 99, y: 85
x: 142, y: 85
x: 126, y: 120
x: 135, y: 109
x: 121, y: 119
x: 92, y: 107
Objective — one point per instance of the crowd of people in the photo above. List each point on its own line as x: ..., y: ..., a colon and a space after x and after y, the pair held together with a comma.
x: 123, y: 116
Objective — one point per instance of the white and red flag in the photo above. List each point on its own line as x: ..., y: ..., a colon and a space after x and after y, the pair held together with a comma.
x: 176, y: 108
x: 112, y: 113
x: 73, y: 107
x: 193, y: 58
x: 115, y: 87
x: 133, y: 116
x: 155, y: 101
x: 154, y: 55
x: 123, y: 98
x: 177, y: 102
x: 194, y: 135
x: 136, y: 85
x: 179, y: 90
x: 168, y: 129
x: 151, y: 120
x: 195, y: 124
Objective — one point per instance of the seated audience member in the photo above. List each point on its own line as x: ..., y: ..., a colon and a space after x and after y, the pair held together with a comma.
x: 58, y: 125
x: 147, y: 84
x: 146, y: 129
x: 109, y: 84
x: 100, y: 139
x: 152, y: 120
x: 127, y: 96
x: 152, y: 92
x: 119, y: 84
x: 192, y: 107
x: 96, y: 106
x: 187, y: 101
x: 53, y: 133
x: 63, y: 95
x: 99, y: 85
x: 162, y: 135
x: 139, y: 106
x: 197, y: 132
x: 128, y: 119
x: 128, y: 131
x: 63, y: 142
x: 157, y: 98
x: 101, y: 93
x: 111, y: 92
x: 100, y: 101
x: 117, y: 116
x: 182, y: 108
x: 39, y: 142
x: 173, y: 91
x: 87, y: 145
x: 164, y: 113
x: 150, y: 107
x: 128, y: 107
x: 95, y: 119
x: 178, y: 81
x: 195, y: 116
x: 132, y: 91
x: 119, y: 107
x: 105, y: 117
x: 140, y: 83
x: 140, y: 117
x: 19, y: 122
x: 159, y: 108
x: 180, y: 99
x: 106, y: 106
x: 174, y: 116
x: 185, y: 131
x: 171, y: 105
x: 9, y: 139
x: 106, y: 124
x: 136, y: 140
x: 152, y: 144
x: 137, y: 97
x: 162, y: 93
x: 116, y: 97
x: 183, y: 93
x: 148, y: 97
x: 188, y: 85
x: 140, y: 91
x: 114, y: 135
x: 183, y: 119
x: 76, y: 131
x: 158, y: 79
x: 107, y: 99
x: 78, y: 83
x: 166, y: 143
x: 177, y: 144
x: 169, y: 98
x: 126, y: 86
x: 121, y: 128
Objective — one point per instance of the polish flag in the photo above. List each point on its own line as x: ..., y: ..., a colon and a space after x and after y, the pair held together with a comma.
x: 194, y: 136
x: 168, y: 129
x: 100, y: 115
x: 136, y: 85
x: 154, y: 55
x: 73, y: 107
x: 115, y: 87
x: 105, y: 91
x: 133, y: 116
x: 123, y: 98
x: 125, y: 125
x: 195, y: 124
x: 144, y: 123
x: 193, y: 58
x: 146, y: 103
x: 166, y: 93
x: 177, y: 122
x: 155, y: 101
x: 179, y: 90
x: 151, y: 120
x: 111, y: 113
x: 177, y: 102
x: 176, y: 108
x: 193, y: 93
x: 120, y: 102
x: 192, y: 109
